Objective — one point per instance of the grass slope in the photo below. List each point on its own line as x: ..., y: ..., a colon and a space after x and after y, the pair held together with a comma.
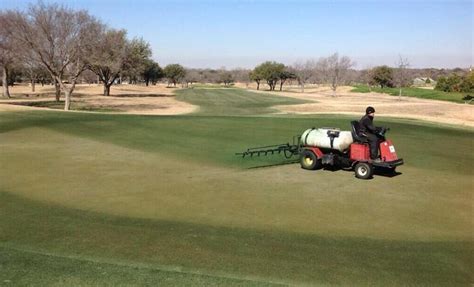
x: 414, y: 92
x: 142, y: 197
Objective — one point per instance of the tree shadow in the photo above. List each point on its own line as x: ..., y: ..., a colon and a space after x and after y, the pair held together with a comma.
x: 142, y: 96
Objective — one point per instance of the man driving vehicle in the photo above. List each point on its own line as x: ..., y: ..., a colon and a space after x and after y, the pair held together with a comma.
x: 370, y: 131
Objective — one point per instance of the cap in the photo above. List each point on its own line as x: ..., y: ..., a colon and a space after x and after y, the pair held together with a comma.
x: 369, y: 110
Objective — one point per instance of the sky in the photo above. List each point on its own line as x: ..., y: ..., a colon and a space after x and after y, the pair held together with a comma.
x: 232, y: 34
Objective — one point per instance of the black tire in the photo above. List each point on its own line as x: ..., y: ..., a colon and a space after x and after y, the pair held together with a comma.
x: 309, y: 160
x: 364, y: 170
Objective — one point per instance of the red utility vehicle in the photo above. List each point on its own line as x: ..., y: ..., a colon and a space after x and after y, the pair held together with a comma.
x: 357, y: 156
x: 354, y: 155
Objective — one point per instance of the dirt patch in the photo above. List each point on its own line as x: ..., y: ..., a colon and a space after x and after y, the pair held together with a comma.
x: 127, y: 99
x: 346, y: 102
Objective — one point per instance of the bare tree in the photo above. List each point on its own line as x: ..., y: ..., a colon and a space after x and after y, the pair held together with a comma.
x: 6, y: 49
x: 304, y: 72
x: 241, y: 75
x: 60, y: 39
x: 33, y: 71
x: 321, y: 71
x: 193, y: 76
x: 365, y: 77
x: 335, y: 68
x: 401, y: 75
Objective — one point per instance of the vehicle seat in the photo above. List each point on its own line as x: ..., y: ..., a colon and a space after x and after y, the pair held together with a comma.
x: 356, y: 136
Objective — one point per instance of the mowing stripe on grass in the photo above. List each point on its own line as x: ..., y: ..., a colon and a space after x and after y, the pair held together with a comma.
x: 44, y: 262
x: 243, y: 253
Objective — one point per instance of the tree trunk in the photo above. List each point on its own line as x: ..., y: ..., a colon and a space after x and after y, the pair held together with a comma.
x: 400, y: 94
x: 281, y: 85
x: 33, y: 85
x: 57, y: 88
x: 106, y: 89
x: 68, y: 93
x: 146, y: 82
x: 67, y: 103
x: 6, y: 92
x: 258, y: 85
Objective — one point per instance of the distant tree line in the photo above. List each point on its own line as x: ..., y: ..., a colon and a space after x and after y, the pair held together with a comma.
x: 455, y: 80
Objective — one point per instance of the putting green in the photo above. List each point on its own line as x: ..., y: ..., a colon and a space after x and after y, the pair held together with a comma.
x: 166, y: 196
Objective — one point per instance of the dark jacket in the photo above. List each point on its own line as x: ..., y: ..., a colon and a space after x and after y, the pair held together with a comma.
x: 367, y: 126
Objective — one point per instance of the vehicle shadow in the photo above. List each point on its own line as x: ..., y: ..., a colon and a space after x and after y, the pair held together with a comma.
x: 378, y: 171
x: 386, y: 172
x: 274, y: 164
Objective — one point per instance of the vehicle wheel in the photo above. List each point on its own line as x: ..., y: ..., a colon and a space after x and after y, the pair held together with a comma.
x: 309, y: 160
x: 363, y: 170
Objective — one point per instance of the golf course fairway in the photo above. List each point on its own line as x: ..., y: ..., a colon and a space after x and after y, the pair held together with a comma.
x: 124, y: 200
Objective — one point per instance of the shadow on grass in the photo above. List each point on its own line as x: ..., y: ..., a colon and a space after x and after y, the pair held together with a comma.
x: 142, y: 96
x: 386, y: 172
x: 75, y: 106
x: 275, y: 164
x: 378, y: 171
x: 273, y: 255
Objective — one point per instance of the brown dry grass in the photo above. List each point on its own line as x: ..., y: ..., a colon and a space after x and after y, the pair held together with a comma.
x: 128, y: 99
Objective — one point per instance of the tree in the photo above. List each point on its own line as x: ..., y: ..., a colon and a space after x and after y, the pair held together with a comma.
x: 193, y: 76
x: 383, y: 76
x: 285, y: 75
x: 241, y: 75
x: 256, y: 76
x: 174, y: 73
x: 304, y: 72
x: 270, y: 71
x: 152, y: 72
x: 6, y: 49
x: 109, y: 57
x: 456, y: 83
x: 335, y: 69
x: 226, y: 78
x: 365, y: 76
x: 60, y: 39
x: 34, y: 71
x: 467, y: 85
x: 138, y: 55
x: 401, y: 74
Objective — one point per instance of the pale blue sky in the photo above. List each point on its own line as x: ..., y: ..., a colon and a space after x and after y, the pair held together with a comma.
x: 245, y: 33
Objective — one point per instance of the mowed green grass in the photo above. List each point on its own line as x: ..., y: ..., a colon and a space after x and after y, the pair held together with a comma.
x: 414, y: 92
x: 90, y: 199
x: 233, y: 101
